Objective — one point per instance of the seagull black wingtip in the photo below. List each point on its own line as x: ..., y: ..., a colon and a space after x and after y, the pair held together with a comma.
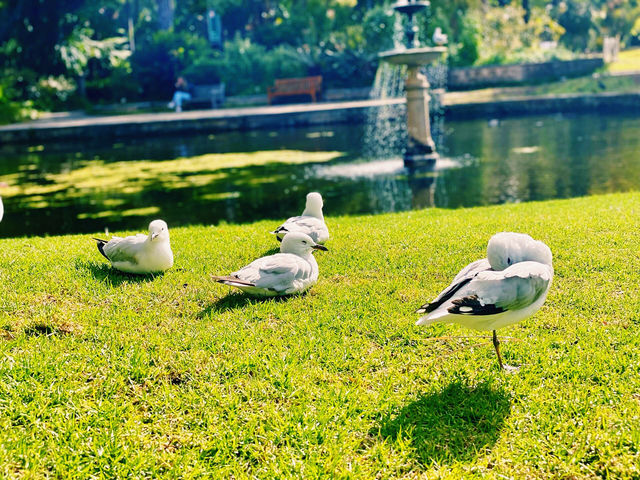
x: 101, y: 243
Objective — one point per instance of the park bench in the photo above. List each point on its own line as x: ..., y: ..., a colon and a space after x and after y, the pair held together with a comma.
x: 209, y: 95
x: 295, y: 86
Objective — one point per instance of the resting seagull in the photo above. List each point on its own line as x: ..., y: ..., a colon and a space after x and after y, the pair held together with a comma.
x: 2, y: 184
x: 293, y: 270
x: 508, y: 286
x: 310, y: 222
x: 140, y: 253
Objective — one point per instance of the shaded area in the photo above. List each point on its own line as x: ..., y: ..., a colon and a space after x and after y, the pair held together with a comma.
x: 237, y: 299
x: 71, y: 188
x: 104, y: 272
x: 456, y: 424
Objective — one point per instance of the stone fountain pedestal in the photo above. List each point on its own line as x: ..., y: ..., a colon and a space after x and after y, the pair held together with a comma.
x: 420, y: 151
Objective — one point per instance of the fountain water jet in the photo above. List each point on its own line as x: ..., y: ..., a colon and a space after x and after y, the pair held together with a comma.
x: 420, y: 151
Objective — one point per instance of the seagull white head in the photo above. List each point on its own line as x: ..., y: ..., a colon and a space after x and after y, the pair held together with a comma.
x: 314, y: 205
x: 299, y: 244
x: 507, y: 248
x: 158, y: 230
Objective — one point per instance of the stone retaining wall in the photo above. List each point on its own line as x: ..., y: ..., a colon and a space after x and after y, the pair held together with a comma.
x: 470, y: 78
x: 104, y: 128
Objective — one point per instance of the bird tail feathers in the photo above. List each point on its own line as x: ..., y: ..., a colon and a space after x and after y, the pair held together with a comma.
x: 432, y: 317
x: 233, y: 281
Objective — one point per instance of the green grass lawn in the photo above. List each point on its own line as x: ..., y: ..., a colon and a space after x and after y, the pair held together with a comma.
x: 105, y: 375
x: 628, y: 60
x: 579, y: 85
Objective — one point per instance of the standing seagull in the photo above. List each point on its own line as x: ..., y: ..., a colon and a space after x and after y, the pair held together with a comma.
x: 140, y: 253
x: 508, y: 286
x: 439, y: 38
x: 310, y: 222
x: 293, y: 270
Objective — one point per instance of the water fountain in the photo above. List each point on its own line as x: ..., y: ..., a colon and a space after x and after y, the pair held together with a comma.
x: 420, y: 151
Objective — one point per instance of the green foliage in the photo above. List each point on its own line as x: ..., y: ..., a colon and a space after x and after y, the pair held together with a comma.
x: 49, y: 93
x: 107, y: 375
x: 112, y: 85
x: 89, y: 41
x: 506, y: 38
x: 466, y: 50
x: 9, y: 110
x: 80, y: 48
x: 248, y: 68
x: 577, y: 18
x: 157, y: 63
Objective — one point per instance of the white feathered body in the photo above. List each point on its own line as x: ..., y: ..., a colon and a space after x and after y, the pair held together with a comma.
x: 1, y: 209
x: 279, y: 274
x: 139, y: 254
x: 486, y: 299
x: 310, y: 225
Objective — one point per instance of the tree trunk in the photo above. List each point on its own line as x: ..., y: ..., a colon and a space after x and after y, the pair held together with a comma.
x: 132, y: 15
x: 165, y: 14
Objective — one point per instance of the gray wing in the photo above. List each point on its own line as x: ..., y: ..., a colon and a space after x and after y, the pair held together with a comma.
x: 493, y: 292
x: 312, y: 226
x: 124, y: 249
x: 276, y: 272
x: 461, y: 279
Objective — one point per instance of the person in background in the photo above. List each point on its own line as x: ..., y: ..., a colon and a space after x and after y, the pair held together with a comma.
x: 181, y: 94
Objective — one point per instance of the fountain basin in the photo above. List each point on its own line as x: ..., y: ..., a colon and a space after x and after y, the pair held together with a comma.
x: 410, y: 8
x: 413, y: 57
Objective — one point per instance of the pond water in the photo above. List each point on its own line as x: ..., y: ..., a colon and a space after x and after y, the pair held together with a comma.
x: 243, y: 176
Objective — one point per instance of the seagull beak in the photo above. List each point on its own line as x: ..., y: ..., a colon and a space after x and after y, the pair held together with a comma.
x: 320, y: 247
x: 154, y: 235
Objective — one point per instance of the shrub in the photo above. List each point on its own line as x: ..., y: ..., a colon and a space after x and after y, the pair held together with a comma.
x: 156, y: 62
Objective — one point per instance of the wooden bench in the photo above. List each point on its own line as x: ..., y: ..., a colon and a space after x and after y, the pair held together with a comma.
x: 212, y: 95
x: 295, y: 86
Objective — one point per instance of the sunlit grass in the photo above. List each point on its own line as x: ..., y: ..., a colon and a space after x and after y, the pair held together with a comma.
x: 109, y: 375
x: 628, y: 60
x: 135, y: 174
x: 585, y: 85
x: 107, y: 185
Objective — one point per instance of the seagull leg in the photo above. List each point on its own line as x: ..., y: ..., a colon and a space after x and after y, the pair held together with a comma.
x: 496, y: 345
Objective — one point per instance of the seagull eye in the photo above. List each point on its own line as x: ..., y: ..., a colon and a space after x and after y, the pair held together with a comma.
x: 509, y: 261
x: 304, y: 241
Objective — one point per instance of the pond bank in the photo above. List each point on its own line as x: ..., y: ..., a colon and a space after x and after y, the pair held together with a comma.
x: 61, y: 127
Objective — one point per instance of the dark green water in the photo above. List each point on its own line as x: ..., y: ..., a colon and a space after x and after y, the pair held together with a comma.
x: 519, y: 159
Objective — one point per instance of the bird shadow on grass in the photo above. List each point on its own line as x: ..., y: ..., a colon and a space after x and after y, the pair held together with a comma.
x: 106, y: 273
x: 234, y: 300
x: 457, y: 423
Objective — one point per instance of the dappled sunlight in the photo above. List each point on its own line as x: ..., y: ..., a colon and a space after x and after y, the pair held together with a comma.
x: 105, y: 193
x: 58, y: 189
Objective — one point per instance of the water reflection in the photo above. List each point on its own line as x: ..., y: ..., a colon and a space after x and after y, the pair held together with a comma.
x: 240, y: 177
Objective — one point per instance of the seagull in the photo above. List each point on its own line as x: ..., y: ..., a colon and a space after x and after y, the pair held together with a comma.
x: 2, y: 184
x: 508, y: 286
x: 439, y: 38
x: 293, y: 270
x: 310, y: 222
x: 140, y: 253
